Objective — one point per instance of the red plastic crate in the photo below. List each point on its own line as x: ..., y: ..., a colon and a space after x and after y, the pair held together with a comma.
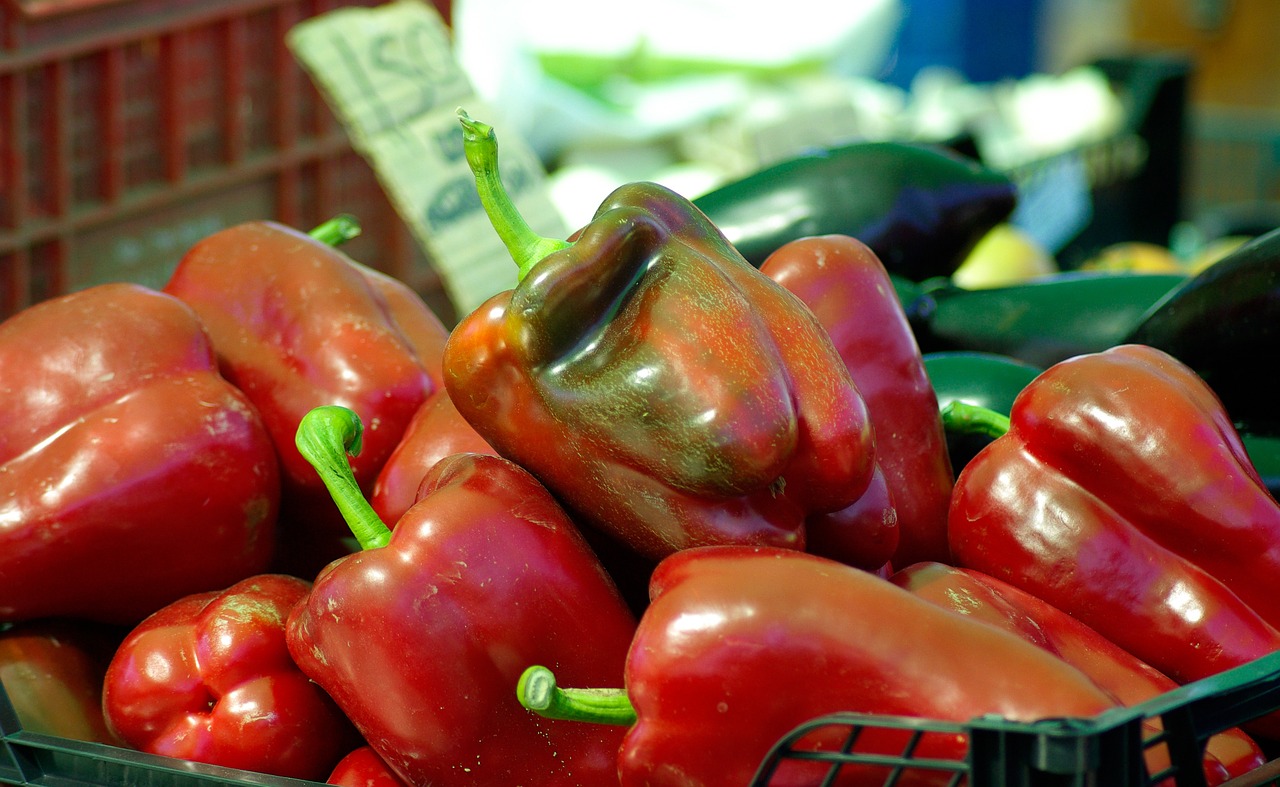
x: 130, y: 129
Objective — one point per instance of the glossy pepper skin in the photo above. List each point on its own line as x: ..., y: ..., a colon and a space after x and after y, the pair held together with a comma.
x: 921, y: 208
x: 1120, y: 493
x: 133, y: 472
x: 422, y: 635
x: 52, y: 672
x: 992, y: 381
x: 1130, y: 680
x: 848, y: 289
x: 665, y: 390
x: 209, y: 678
x: 742, y: 644
x: 297, y: 324
x: 364, y: 768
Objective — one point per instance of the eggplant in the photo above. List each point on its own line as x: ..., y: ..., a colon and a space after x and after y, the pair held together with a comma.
x: 921, y: 208
x: 1225, y: 324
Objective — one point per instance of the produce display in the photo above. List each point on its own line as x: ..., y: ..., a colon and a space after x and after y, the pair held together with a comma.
x: 676, y: 509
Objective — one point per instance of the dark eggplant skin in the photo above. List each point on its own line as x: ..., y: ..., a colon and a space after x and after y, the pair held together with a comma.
x: 1040, y: 321
x: 1225, y: 324
x: 921, y: 208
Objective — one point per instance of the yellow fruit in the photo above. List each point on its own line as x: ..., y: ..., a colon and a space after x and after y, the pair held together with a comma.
x: 1005, y: 255
x: 1135, y: 257
x: 1216, y: 250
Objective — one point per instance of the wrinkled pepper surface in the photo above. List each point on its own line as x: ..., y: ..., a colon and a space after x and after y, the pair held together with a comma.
x: 1130, y: 680
x: 1119, y: 491
x: 133, y: 472
x: 920, y: 207
x: 296, y: 324
x: 742, y: 644
x: 422, y: 635
x: 665, y: 390
x: 848, y: 289
x: 209, y: 678
x: 52, y: 671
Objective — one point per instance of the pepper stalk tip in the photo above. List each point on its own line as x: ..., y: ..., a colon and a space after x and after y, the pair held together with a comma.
x: 480, y: 148
x: 537, y: 691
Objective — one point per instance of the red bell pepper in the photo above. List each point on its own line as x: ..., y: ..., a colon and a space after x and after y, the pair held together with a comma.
x: 209, y: 679
x: 742, y: 644
x: 437, y: 430
x: 660, y: 386
x: 364, y: 768
x: 1119, y: 491
x: 298, y: 324
x: 52, y: 673
x: 133, y: 473
x: 422, y: 636
x: 847, y: 287
x: 1129, y: 679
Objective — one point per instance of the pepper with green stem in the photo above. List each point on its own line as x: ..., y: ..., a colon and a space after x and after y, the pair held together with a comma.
x: 297, y: 324
x: 665, y: 390
x: 1118, y: 490
x: 421, y: 636
x: 740, y: 645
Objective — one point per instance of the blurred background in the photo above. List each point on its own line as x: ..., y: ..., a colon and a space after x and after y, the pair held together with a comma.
x: 131, y: 128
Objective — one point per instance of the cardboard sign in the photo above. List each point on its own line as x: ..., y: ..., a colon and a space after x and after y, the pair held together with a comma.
x: 391, y: 77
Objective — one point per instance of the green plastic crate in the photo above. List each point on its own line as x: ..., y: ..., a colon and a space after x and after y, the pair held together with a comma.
x: 1103, y: 751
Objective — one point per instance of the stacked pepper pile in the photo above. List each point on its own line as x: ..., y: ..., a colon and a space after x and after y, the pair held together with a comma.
x: 716, y: 492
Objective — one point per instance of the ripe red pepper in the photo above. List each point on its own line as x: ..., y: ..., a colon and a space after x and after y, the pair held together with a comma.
x: 660, y: 386
x: 437, y: 430
x: 298, y: 324
x: 742, y: 644
x: 364, y: 768
x: 209, y: 678
x: 52, y: 673
x: 1127, y: 678
x: 1120, y: 492
x: 422, y: 636
x: 133, y: 473
x: 847, y: 287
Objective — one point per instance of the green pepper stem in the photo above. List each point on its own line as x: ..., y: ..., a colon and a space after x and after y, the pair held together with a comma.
x: 337, y: 230
x: 325, y: 436
x: 964, y: 418
x: 537, y: 691
x: 525, y: 246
